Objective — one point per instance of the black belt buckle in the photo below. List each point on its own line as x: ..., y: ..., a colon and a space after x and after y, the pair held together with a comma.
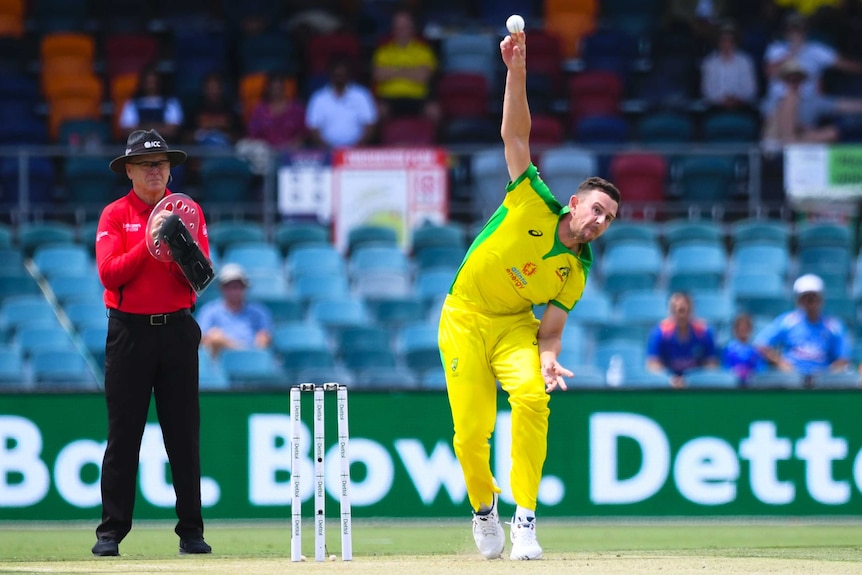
x: 159, y: 319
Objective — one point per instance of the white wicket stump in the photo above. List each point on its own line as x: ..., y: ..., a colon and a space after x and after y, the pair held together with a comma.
x: 318, y: 453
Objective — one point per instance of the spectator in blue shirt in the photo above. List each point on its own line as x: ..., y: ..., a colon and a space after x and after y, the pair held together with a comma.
x: 231, y: 322
x: 740, y: 356
x: 679, y: 342
x: 805, y: 340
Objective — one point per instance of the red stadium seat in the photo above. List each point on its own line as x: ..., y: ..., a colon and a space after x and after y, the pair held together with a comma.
x: 323, y: 48
x: 125, y: 53
x: 408, y: 131
x: 594, y: 93
x: 463, y: 95
x: 546, y: 58
x: 640, y: 177
x: 546, y: 130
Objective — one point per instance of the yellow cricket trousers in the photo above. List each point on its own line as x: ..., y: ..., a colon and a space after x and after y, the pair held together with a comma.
x: 478, y: 350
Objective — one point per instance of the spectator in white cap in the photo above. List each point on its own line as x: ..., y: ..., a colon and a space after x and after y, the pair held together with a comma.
x: 805, y: 340
x: 232, y: 322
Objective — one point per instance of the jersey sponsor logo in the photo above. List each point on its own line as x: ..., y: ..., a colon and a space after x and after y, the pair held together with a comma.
x: 535, y: 233
x: 529, y: 268
x: 133, y: 227
x: 517, y: 277
x: 101, y: 235
x: 563, y: 273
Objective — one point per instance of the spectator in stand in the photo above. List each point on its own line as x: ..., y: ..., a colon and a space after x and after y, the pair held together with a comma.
x: 679, y: 342
x: 214, y: 121
x: 739, y: 355
x: 232, y: 322
x: 342, y: 113
x: 813, y: 57
x: 728, y: 77
x: 152, y: 108
x: 805, y: 340
x: 403, y: 67
x: 794, y: 115
x: 279, y: 118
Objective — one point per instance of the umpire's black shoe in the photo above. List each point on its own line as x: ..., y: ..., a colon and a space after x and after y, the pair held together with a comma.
x: 194, y: 546
x: 106, y: 547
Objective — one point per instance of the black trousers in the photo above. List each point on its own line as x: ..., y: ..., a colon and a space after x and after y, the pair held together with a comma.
x: 142, y: 360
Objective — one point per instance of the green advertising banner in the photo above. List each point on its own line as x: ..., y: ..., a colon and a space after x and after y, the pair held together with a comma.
x: 610, y: 453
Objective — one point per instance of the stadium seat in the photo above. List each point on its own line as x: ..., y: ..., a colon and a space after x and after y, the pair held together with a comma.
x: 12, y: 19
x: 83, y: 133
x: 433, y: 379
x: 127, y: 53
x: 715, y: 307
x: 408, y: 131
x: 291, y: 235
x: 360, y: 360
x: 227, y: 233
x: 773, y: 378
x: 265, y: 285
x: 335, y: 314
x: 20, y: 310
x: 825, y: 261
x: 666, y: 128
x: 40, y: 181
x: 325, y: 374
x: 211, y: 375
x: 631, y: 265
x: 315, y: 259
x: 32, y: 337
x: 252, y: 368
x: 704, y: 263
x: 751, y: 257
x: 417, y: 343
x: 64, y: 369
x: 311, y: 287
x: 609, y: 49
x: 226, y: 180
x: 705, y: 378
x: 489, y: 177
x: 632, y: 354
x: 85, y: 312
x: 65, y: 259
x: 431, y: 235
x: 760, y: 231
x: 730, y: 128
x: 837, y: 380
x: 601, y: 129
x: 94, y: 337
x: 463, y: 95
x: 285, y: 309
x: 59, y: 15
x: 254, y: 256
x: 394, y: 312
x: 298, y: 337
x: 12, y: 372
x: 433, y: 284
x: 816, y: 234
x: 631, y: 230
x: 586, y: 376
x: 359, y: 338
x: 593, y: 309
x: 642, y: 307
x: 472, y: 53
x: 15, y: 284
x: 638, y: 18
x: 268, y: 51
x: 705, y: 179
x: 594, y: 93
x: 385, y: 377
x: 322, y: 49
x: 371, y: 235
x: 564, y: 168
x: 546, y: 130
x: 73, y: 287
x: 646, y: 380
x: 643, y: 176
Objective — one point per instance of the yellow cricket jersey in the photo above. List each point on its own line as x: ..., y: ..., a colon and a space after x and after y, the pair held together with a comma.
x: 518, y: 260
x: 416, y: 53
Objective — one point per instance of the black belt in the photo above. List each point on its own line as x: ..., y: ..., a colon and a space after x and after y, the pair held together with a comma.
x: 150, y: 319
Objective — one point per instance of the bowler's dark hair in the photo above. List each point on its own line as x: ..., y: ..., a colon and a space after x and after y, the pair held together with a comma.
x: 601, y: 184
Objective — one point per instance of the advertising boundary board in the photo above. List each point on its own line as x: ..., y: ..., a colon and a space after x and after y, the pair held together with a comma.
x: 614, y: 453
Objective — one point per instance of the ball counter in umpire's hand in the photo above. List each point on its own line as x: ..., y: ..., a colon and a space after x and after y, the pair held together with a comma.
x: 151, y: 349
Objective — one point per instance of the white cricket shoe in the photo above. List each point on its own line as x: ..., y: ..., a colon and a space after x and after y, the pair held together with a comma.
x: 488, y: 532
x: 523, y: 535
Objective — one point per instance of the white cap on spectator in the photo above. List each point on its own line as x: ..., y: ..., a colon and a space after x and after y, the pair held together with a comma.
x: 808, y: 283
x: 231, y: 273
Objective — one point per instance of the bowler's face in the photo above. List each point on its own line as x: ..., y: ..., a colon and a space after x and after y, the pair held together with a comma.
x: 592, y: 213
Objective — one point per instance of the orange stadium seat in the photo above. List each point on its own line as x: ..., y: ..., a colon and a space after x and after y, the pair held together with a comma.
x: 54, y: 71
x: 12, y: 18
x: 71, y: 108
x: 570, y: 26
x: 84, y: 86
x: 67, y: 44
x: 123, y: 87
x: 554, y: 8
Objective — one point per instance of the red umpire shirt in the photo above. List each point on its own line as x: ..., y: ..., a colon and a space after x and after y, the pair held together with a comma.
x: 135, y: 281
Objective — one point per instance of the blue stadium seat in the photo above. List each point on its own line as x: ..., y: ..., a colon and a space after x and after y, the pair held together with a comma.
x: 88, y: 182
x: 378, y: 257
x: 265, y: 285
x: 433, y: 284
x: 226, y: 181
x: 609, y: 49
x: 716, y: 307
x: 593, y: 309
x: 635, y: 231
x: 386, y: 377
x: 418, y: 345
x: 666, y: 128
x: 309, y: 288
x: 40, y: 179
x: 356, y: 339
x: 395, y: 312
x: 676, y: 232
x: 646, y: 380
x: 587, y: 376
x: 442, y: 257
x: 437, y: 236
x: 252, y: 368
x: 228, y: 233
x: 760, y: 231
x: 17, y: 311
x: 31, y: 338
x: 291, y: 235
x: 65, y: 369
x: 94, y: 338
x: 285, y: 309
x: 825, y: 261
x: 268, y: 51
x: 816, y: 234
x: 254, y: 256
x: 700, y: 266
x: 730, y: 128
x: 633, y: 355
x: 644, y: 308
x: 706, y: 378
x: 63, y: 259
x: 339, y: 313
x: 774, y: 378
x: 489, y: 175
x: 601, y: 130
x: 359, y: 361
x: 12, y: 373
x: 470, y: 52
x: 837, y: 380
x: 32, y: 236
x: 299, y: 336
x: 211, y: 375
x: 706, y: 179
x: 630, y: 265
x: 368, y: 235
x: 315, y: 259
x: 751, y: 257
x: 434, y: 379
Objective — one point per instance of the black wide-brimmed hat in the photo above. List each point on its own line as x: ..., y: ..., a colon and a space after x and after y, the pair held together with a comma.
x: 143, y: 142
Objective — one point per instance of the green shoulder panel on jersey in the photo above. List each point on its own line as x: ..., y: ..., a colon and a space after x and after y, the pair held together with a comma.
x: 489, y: 228
x: 539, y: 186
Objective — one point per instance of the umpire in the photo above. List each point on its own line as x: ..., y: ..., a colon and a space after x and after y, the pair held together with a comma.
x: 151, y: 348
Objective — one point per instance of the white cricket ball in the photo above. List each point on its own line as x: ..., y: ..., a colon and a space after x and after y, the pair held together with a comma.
x: 332, y: 557
x: 515, y: 24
